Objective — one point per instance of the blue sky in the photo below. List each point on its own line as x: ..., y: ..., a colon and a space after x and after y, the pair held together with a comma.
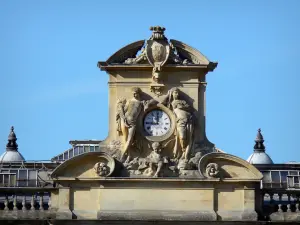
x: 52, y: 91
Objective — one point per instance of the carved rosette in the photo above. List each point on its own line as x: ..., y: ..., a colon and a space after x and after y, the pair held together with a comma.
x: 105, y: 166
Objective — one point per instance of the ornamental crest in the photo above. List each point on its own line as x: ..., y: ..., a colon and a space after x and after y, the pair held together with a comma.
x: 157, y: 48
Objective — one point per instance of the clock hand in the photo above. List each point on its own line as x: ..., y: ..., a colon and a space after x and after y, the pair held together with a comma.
x: 151, y: 123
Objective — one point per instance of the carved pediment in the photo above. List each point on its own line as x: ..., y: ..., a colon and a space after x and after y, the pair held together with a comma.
x: 227, y: 167
x: 156, y: 52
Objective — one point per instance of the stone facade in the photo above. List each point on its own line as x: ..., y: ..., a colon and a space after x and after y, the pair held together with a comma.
x: 156, y: 163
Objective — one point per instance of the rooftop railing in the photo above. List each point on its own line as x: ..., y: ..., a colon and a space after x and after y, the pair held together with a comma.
x: 26, y: 203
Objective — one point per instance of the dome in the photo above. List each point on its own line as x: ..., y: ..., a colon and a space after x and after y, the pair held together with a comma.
x: 260, y: 158
x: 11, y: 156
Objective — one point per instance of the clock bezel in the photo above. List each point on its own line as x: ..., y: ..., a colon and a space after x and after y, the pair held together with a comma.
x: 172, y: 121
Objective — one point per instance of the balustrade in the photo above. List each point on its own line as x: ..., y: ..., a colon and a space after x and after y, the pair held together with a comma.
x: 35, y: 201
x: 280, y: 202
x: 26, y: 203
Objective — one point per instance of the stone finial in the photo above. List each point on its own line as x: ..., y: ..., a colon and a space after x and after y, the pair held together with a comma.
x: 12, y: 135
x: 158, y: 33
x: 259, y: 142
x: 12, y: 141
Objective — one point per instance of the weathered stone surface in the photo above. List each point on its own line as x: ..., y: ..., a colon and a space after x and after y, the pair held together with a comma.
x: 84, y: 214
x: 158, y: 215
x: 285, y: 216
x: 127, y: 222
x: 28, y: 214
x: 63, y: 214
x: 233, y: 215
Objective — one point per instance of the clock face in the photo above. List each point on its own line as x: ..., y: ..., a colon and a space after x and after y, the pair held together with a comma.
x: 157, y: 123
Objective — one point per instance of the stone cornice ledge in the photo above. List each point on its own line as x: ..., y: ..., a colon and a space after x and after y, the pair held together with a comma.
x: 104, y: 66
x: 132, y: 180
x: 118, y: 179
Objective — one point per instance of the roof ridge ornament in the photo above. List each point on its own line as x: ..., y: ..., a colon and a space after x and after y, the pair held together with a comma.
x: 259, y: 142
x: 12, y: 141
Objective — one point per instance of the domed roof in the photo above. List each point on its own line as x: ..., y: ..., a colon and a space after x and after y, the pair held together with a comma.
x: 259, y: 156
x: 11, y: 154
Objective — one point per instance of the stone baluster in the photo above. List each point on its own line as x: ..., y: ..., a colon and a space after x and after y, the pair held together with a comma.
x: 15, y: 203
x: 280, y: 203
x: 6, y: 203
x: 49, y: 202
x: 41, y: 201
x: 297, y: 203
x: 32, y: 202
x: 24, y: 203
x: 289, y: 203
x: 271, y: 201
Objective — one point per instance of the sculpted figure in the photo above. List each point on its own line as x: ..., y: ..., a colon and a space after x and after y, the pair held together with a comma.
x: 156, y: 160
x: 184, y: 124
x: 127, y: 114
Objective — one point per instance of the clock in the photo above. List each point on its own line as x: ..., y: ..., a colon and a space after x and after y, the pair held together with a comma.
x: 156, y: 123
